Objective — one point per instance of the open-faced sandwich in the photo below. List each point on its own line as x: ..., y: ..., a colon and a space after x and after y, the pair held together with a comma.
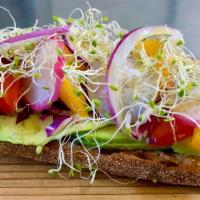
x: 85, y: 93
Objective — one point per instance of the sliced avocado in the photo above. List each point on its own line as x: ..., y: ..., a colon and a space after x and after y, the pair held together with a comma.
x: 28, y: 132
x: 103, y: 137
x: 184, y: 147
x: 32, y: 130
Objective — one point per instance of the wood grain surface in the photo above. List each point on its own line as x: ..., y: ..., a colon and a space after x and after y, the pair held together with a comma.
x: 22, y: 179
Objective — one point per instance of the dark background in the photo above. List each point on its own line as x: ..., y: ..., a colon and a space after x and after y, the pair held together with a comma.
x: 181, y: 14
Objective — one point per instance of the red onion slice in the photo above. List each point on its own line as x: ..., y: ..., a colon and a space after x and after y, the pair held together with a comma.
x: 36, y: 34
x: 45, y: 90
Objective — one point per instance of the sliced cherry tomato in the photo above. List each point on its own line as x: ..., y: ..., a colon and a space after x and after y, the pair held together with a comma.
x: 162, y: 132
x: 10, y: 98
x: 76, y: 103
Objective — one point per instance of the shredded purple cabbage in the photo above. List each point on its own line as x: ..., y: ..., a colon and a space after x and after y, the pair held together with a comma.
x: 57, y: 124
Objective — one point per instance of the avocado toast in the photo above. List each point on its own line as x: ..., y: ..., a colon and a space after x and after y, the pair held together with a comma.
x: 85, y: 93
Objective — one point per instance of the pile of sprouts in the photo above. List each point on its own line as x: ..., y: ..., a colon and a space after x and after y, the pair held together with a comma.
x: 92, y: 38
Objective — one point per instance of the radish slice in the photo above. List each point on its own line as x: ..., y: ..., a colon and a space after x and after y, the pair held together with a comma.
x: 123, y: 73
x: 45, y: 89
x: 115, y: 69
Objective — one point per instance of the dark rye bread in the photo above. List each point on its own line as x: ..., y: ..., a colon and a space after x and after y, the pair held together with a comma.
x: 158, y: 166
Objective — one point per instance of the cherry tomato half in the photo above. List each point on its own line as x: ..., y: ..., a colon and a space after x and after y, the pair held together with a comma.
x: 164, y: 133
x: 10, y: 98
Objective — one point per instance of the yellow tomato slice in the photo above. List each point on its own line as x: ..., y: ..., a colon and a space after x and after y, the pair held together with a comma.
x: 75, y: 101
x: 195, y: 143
x: 72, y: 98
x: 152, y: 47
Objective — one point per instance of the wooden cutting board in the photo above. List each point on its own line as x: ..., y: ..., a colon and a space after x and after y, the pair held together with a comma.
x: 22, y: 179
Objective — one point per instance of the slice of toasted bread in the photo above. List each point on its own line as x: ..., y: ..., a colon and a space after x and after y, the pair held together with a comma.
x: 160, y: 166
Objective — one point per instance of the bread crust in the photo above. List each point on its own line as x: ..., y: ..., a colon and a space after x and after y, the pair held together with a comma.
x: 165, y: 167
